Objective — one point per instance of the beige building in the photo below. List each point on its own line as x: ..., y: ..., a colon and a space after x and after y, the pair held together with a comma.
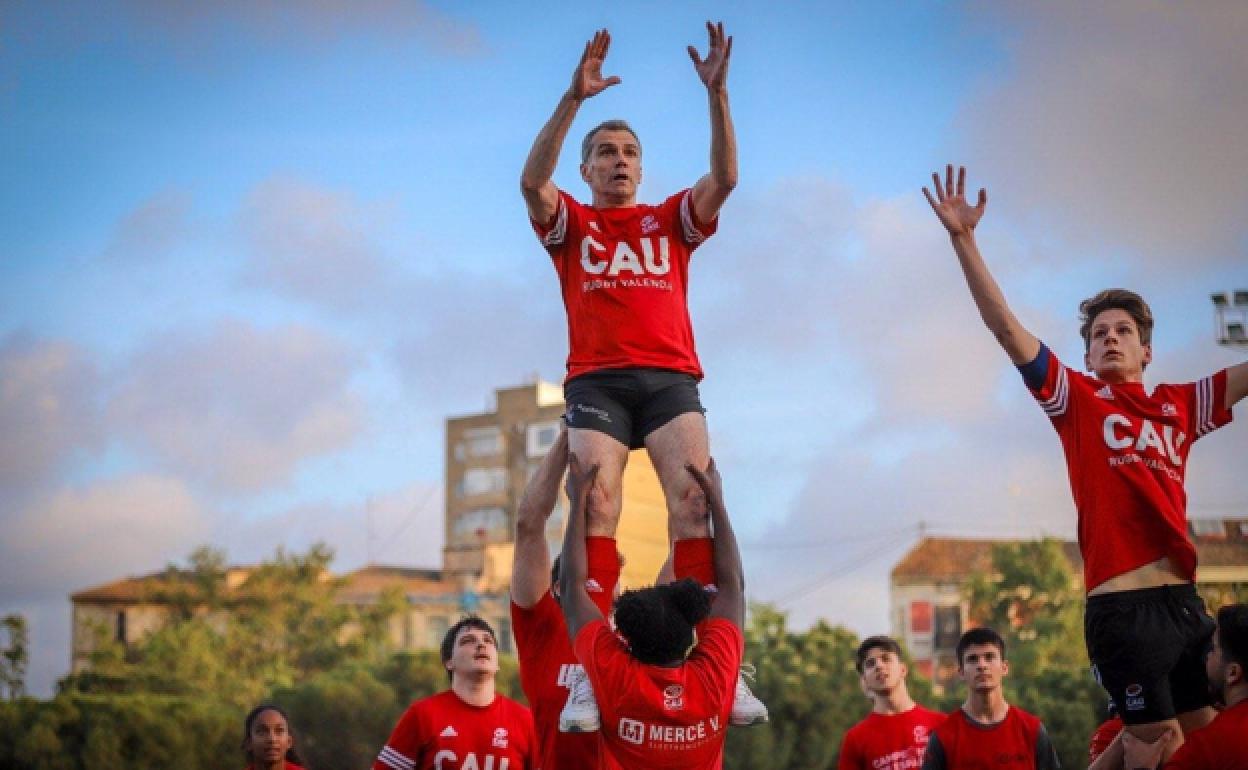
x: 489, y: 460
x: 928, y: 607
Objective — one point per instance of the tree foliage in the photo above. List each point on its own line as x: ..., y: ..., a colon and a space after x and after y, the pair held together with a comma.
x: 14, y: 656
x: 1034, y: 600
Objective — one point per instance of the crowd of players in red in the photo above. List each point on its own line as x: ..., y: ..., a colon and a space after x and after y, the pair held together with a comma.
x: 651, y: 679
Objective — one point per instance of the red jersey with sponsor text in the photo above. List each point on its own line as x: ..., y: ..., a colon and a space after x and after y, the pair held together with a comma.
x: 1126, y: 456
x: 546, y: 659
x: 657, y: 717
x: 624, y: 273
x: 889, y: 741
x: 444, y: 732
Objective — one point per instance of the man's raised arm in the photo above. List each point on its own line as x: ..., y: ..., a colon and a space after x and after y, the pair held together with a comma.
x: 1236, y: 384
x: 530, y: 568
x: 713, y: 189
x: 540, y: 194
x: 960, y: 218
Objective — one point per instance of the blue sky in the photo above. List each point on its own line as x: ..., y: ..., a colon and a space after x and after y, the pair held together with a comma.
x: 253, y: 254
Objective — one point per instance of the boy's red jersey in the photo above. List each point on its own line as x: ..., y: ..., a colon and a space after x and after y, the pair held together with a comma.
x: 1018, y: 742
x: 889, y: 741
x: 443, y: 732
x: 1126, y: 456
x: 659, y: 717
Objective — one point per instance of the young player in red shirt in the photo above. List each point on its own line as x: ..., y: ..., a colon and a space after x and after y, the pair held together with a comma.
x: 986, y: 732
x: 665, y: 701
x: 548, y: 665
x: 268, y: 741
x: 894, y: 735
x: 469, y: 726
x: 1223, y: 744
x: 623, y: 269
x: 1126, y: 456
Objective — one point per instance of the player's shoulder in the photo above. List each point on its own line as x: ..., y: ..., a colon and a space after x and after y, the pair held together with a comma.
x: 929, y: 717
x: 1029, y: 719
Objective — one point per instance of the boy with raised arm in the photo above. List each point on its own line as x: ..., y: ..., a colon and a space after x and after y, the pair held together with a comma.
x: 1126, y: 451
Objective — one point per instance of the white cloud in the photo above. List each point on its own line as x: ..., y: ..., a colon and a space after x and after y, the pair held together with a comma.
x: 236, y: 406
x: 48, y: 409
x: 1119, y: 125
x: 81, y: 536
x: 153, y: 229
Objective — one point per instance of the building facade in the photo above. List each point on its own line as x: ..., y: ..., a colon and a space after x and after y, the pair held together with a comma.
x: 490, y: 457
x: 928, y: 609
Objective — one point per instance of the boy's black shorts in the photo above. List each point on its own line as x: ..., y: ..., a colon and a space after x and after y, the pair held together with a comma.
x: 1148, y: 650
x: 629, y: 404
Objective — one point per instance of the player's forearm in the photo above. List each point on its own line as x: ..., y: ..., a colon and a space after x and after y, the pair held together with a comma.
x: 729, y: 576
x: 1236, y: 384
x: 539, y: 167
x: 723, y: 142
x: 540, y: 493
x: 574, y: 563
x: 1018, y: 343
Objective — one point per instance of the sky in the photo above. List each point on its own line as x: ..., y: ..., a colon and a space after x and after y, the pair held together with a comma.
x: 253, y: 254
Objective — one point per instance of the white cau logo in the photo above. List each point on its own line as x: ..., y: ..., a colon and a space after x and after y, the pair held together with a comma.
x: 632, y: 731
x: 594, y: 258
x: 1119, y: 433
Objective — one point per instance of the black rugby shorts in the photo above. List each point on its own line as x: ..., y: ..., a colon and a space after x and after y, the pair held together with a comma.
x: 629, y: 404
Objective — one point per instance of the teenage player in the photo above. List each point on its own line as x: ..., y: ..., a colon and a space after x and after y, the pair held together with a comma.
x: 895, y: 733
x: 1223, y: 744
x: 1126, y: 455
x: 986, y: 731
x: 468, y: 725
x: 268, y: 741
x: 623, y: 269
x: 548, y: 666
x: 665, y: 700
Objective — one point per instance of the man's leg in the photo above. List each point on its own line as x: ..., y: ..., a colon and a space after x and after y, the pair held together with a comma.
x: 680, y: 442
x: 606, y: 498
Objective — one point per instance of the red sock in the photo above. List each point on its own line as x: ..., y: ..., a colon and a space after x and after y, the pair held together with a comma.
x: 604, y: 572
x: 695, y: 558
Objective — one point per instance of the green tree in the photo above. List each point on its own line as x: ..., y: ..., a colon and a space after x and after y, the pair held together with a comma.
x: 1034, y: 600
x: 14, y: 656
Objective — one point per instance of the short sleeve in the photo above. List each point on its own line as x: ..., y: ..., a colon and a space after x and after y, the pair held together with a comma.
x: 718, y: 654
x: 679, y: 208
x: 403, y: 748
x: 1210, y: 412
x: 534, y: 626
x: 599, y: 653
x: 1046, y: 754
x: 554, y: 234
x: 847, y: 758
x: 934, y: 757
x: 1049, y: 382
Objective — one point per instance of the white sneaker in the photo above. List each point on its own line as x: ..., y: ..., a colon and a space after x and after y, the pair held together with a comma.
x: 747, y: 709
x: 580, y: 713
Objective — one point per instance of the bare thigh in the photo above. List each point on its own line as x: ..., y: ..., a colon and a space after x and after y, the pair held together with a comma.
x: 593, y: 447
x: 680, y: 442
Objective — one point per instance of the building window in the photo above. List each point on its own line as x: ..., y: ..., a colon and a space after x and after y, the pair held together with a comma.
x: 948, y: 622
x: 1211, y: 528
x: 480, y: 524
x: 921, y: 617
x: 483, y: 481
x: 437, y: 629
x: 540, y: 437
x: 121, y: 626
x: 483, y: 442
x: 504, y: 635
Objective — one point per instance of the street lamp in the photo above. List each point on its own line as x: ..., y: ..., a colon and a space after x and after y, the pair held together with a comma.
x: 1230, y: 310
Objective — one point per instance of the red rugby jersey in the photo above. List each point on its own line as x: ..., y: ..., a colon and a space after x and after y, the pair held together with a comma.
x: 624, y: 274
x: 546, y: 659
x: 442, y: 732
x: 1018, y: 742
x: 1220, y: 745
x: 656, y: 717
x: 1102, y: 737
x: 1126, y: 456
x: 888, y: 741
